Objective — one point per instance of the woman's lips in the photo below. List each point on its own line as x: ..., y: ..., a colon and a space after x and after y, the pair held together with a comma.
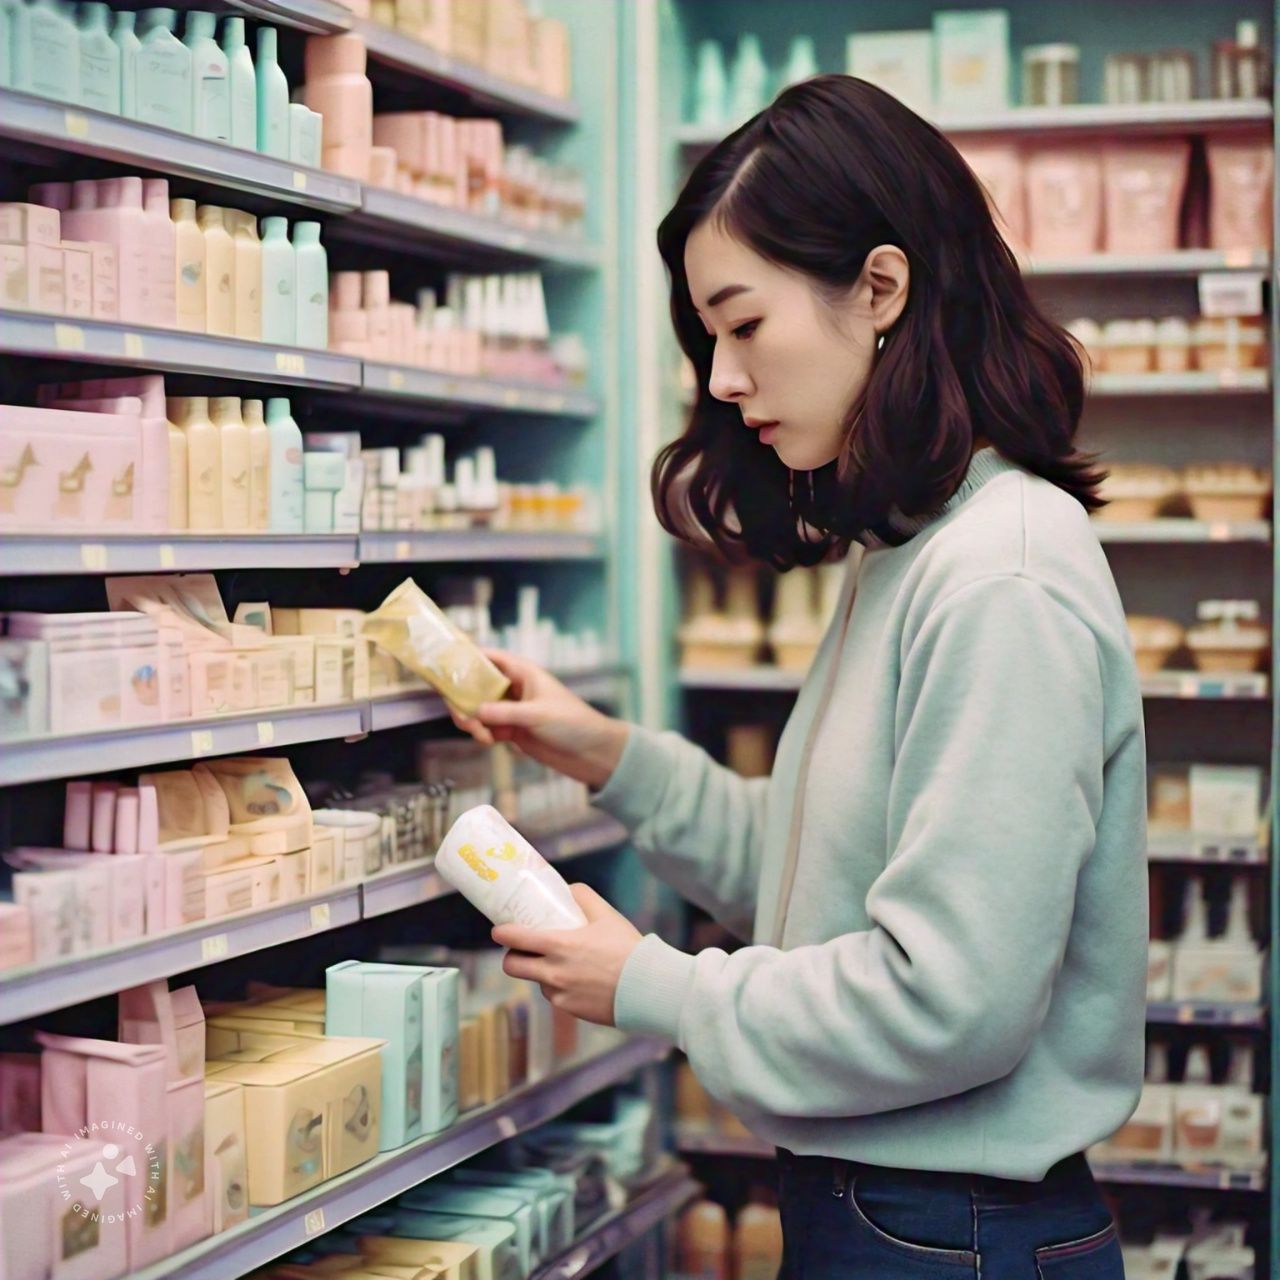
x: 767, y: 433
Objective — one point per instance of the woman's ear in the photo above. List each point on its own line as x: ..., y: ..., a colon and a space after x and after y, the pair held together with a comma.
x: 886, y: 278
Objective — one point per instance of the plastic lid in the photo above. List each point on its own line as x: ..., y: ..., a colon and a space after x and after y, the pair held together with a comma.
x: 94, y: 13
x: 182, y: 210
x: 1173, y: 329
x: 275, y: 227
x: 306, y: 233
x: 126, y: 19
x: 152, y: 18
x: 334, y: 55
x: 1247, y: 33
x: 200, y: 24
x: 128, y: 193
x: 233, y: 32
x: 251, y: 412
x: 278, y: 407
x: 344, y: 288
x: 376, y: 288
x: 84, y: 194
x: 155, y: 195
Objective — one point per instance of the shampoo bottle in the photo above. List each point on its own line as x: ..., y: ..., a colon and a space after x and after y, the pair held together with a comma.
x: 802, y: 62
x: 279, y: 284
x: 162, y: 252
x: 126, y: 40
x: 259, y: 465
x: 312, y: 287
x: 46, y: 51
x: 164, y: 72
x: 233, y: 440
x: 711, y: 86
x: 210, y: 84
x: 247, y: 306
x: 6, y: 42
x: 244, y: 85
x: 273, y: 98
x: 204, y: 461
x: 338, y: 88
x: 750, y: 80
x: 111, y: 211
x: 192, y: 308
x: 219, y: 271
x: 286, y: 467
x: 99, y: 60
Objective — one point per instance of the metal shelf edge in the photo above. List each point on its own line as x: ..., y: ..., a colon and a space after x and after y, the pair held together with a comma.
x: 407, y: 382
x: 442, y: 546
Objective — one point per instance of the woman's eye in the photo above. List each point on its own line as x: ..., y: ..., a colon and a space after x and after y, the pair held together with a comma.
x: 746, y: 330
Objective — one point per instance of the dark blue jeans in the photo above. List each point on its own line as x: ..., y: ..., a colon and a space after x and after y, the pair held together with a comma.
x: 862, y: 1222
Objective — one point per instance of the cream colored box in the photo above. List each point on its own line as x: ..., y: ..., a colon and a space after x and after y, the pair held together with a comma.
x: 324, y: 870
x: 46, y: 285
x: 106, y: 281
x: 226, y: 1157
x: 77, y: 269
x: 29, y: 224
x: 13, y: 276
x: 456, y: 1259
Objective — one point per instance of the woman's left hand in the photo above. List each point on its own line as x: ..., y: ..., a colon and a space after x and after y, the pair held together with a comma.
x: 578, y: 969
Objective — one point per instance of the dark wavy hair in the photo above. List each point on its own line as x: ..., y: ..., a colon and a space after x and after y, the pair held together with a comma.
x: 829, y: 171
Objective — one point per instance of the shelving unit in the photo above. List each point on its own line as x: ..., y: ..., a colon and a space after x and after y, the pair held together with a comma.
x: 268, y: 1234
x: 446, y: 546
x: 457, y: 391
x: 1182, y: 531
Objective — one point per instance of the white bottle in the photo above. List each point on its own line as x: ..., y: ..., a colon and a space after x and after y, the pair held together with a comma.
x: 501, y: 874
x: 279, y: 284
x: 162, y: 246
x: 244, y: 85
x: 311, y: 289
x: 286, y: 467
x: 210, y: 83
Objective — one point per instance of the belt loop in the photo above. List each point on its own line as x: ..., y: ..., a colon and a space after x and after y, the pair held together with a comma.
x: 839, y: 1178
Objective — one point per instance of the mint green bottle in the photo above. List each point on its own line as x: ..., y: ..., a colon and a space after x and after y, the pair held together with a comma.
x: 6, y: 43
x: 279, y: 284
x: 210, y: 85
x: 99, y: 60
x: 273, y: 99
x: 46, y: 50
x: 285, y: 443
x: 126, y: 40
x: 312, y: 287
x: 244, y: 85
x: 164, y: 72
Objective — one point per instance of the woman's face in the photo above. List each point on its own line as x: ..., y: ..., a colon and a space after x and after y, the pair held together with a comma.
x: 792, y: 361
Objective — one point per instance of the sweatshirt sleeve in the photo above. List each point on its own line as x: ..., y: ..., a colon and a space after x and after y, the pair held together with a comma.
x: 698, y: 826
x: 992, y: 812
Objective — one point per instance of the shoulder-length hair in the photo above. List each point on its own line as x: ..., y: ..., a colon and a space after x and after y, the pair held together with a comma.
x: 832, y: 169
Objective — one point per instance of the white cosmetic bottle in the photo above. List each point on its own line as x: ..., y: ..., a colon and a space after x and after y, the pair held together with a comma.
x: 502, y: 875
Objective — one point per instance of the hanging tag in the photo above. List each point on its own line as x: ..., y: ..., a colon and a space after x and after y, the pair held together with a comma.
x: 1231, y: 293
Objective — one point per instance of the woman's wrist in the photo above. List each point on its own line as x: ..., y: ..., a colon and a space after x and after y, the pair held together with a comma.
x: 606, y: 753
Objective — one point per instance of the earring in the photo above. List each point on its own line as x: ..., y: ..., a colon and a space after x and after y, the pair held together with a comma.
x: 880, y: 342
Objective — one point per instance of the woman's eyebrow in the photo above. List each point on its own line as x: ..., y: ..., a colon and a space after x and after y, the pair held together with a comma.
x: 729, y: 291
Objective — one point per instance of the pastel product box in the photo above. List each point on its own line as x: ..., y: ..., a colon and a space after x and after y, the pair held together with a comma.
x: 24, y: 683
x: 116, y: 1092
x: 971, y: 53
x: 56, y: 1219
x: 115, y: 887
x: 267, y: 805
x: 17, y: 943
x: 13, y: 276
x: 226, y: 1159
x: 317, y: 511
x: 312, y: 1107
x: 361, y: 838
x: 323, y: 873
x: 19, y: 1093
x: 106, y: 280
x: 77, y: 275
x: 29, y: 224
x: 440, y: 1004
x: 453, y: 1259
x: 899, y: 62
x: 498, y: 1256
x: 1225, y: 800
x: 486, y: 1203
x: 386, y: 1002
x: 554, y: 1194
x: 68, y: 910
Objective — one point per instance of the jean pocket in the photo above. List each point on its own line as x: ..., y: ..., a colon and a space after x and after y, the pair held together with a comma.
x: 1095, y: 1257
x: 891, y: 1235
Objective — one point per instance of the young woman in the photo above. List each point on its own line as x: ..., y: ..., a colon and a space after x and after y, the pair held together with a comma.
x: 944, y: 881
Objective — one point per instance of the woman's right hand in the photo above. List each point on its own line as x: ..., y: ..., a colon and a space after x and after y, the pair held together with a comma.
x: 549, y: 723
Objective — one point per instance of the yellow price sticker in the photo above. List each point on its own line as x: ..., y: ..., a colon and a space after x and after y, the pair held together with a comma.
x: 292, y: 363
x: 507, y: 1127
x: 201, y: 742
x: 76, y: 125
x: 403, y: 550
x: 1228, y: 377
x: 395, y: 380
x: 214, y: 947
x: 167, y: 558
x: 133, y: 346
x: 266, y: 733
x: 1188, y: 687
x: 1219, y: 531
x: 68, y: 337
x: 320, y: 915
x: 1237, y: 258
x: 511, y: 397
x: 93, y: 555
x: 299, y: 180
x: 313, y: 1223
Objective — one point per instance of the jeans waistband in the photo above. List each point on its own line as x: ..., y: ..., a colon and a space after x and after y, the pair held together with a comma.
x: 1071, y: 1172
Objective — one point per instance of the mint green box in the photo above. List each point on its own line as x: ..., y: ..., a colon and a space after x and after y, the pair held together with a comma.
x: 552, y: 1193
x: 971, y: 60
x: 361, y: 996
x: 479, y: 1204
x: 440, y: 999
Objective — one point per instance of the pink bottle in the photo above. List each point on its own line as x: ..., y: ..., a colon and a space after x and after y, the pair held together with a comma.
x: 1144, y: 180
x: 162, y: 252
x: 348, y: 323
x: 339, y: 90
x: 1064, y: 201
x: 376, y: 301
x: 111, y: 211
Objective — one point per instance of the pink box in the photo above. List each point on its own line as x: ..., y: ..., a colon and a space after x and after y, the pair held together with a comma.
x: 19, y: 1093
x: 16, y: 944
x: 77, y: 275
x: 29, y: 224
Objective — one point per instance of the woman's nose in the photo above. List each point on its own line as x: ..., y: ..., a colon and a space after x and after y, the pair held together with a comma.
x: 728, y: 381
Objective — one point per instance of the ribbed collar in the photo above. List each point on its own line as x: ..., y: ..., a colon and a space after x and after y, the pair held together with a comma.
x: 984, y: 466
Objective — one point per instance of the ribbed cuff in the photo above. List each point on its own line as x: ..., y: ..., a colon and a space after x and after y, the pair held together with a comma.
x: 652, y: 990
x: 639, y: 783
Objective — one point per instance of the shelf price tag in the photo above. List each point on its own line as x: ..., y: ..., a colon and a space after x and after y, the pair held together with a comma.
x: 266, y: 733
x: 395, y: 380
x: 68, y: 337
x: 1219, y: 531
x: 213, y: 947
x: 403, y: 550
x: 299, y: 180
x: 1188, y: 687
x: 133, y: 347
x: 93, y: 555
x: 507, y: 1127
x: 201, y: 742
x: 1231, y: 293
x: 320, y: 915
x: 76, y: 125
x: 167, y: 558
x: 292, y: 363
x: 313, y: 1223
x: 511, y: 397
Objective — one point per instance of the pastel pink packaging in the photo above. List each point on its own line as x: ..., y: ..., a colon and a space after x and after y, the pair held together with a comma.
x: 115, y: 1095
x: 1240, y: 181
x: 17, y: 944
x: 1064, y: 201
x: 1144, y: 180
x: 19, y: 1093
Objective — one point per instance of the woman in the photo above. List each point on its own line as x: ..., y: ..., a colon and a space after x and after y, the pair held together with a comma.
x: 945, y: 878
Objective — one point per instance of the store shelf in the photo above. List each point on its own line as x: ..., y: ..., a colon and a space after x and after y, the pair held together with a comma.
x: 401, y: 887
x: 1196, y: 383
x: 693, y: 1143
x: 1098, y: 118
x: 454, y: 391
x: 402, y: 52
x: 320, y: 16
x: 1217, y: 850
x: 1250, y: 686
x: 1181, y: 262
x: 1183, y: 531
x: 396, y: 710
x: 42, y: 988
x: 76, y: 754
x: 753, y: 679
x: 172, y: 351
x: 1189, y: 1013
x: 446, y: 545
x: 107, y: 137
x: 1170, y: 1175
x: 274, y: 1231
x: 409, y: 222
x: 24, y: 554
x: 611, y: 1234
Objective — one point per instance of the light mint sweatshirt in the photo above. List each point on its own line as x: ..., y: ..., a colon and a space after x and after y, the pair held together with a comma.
x: 947, y: 870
